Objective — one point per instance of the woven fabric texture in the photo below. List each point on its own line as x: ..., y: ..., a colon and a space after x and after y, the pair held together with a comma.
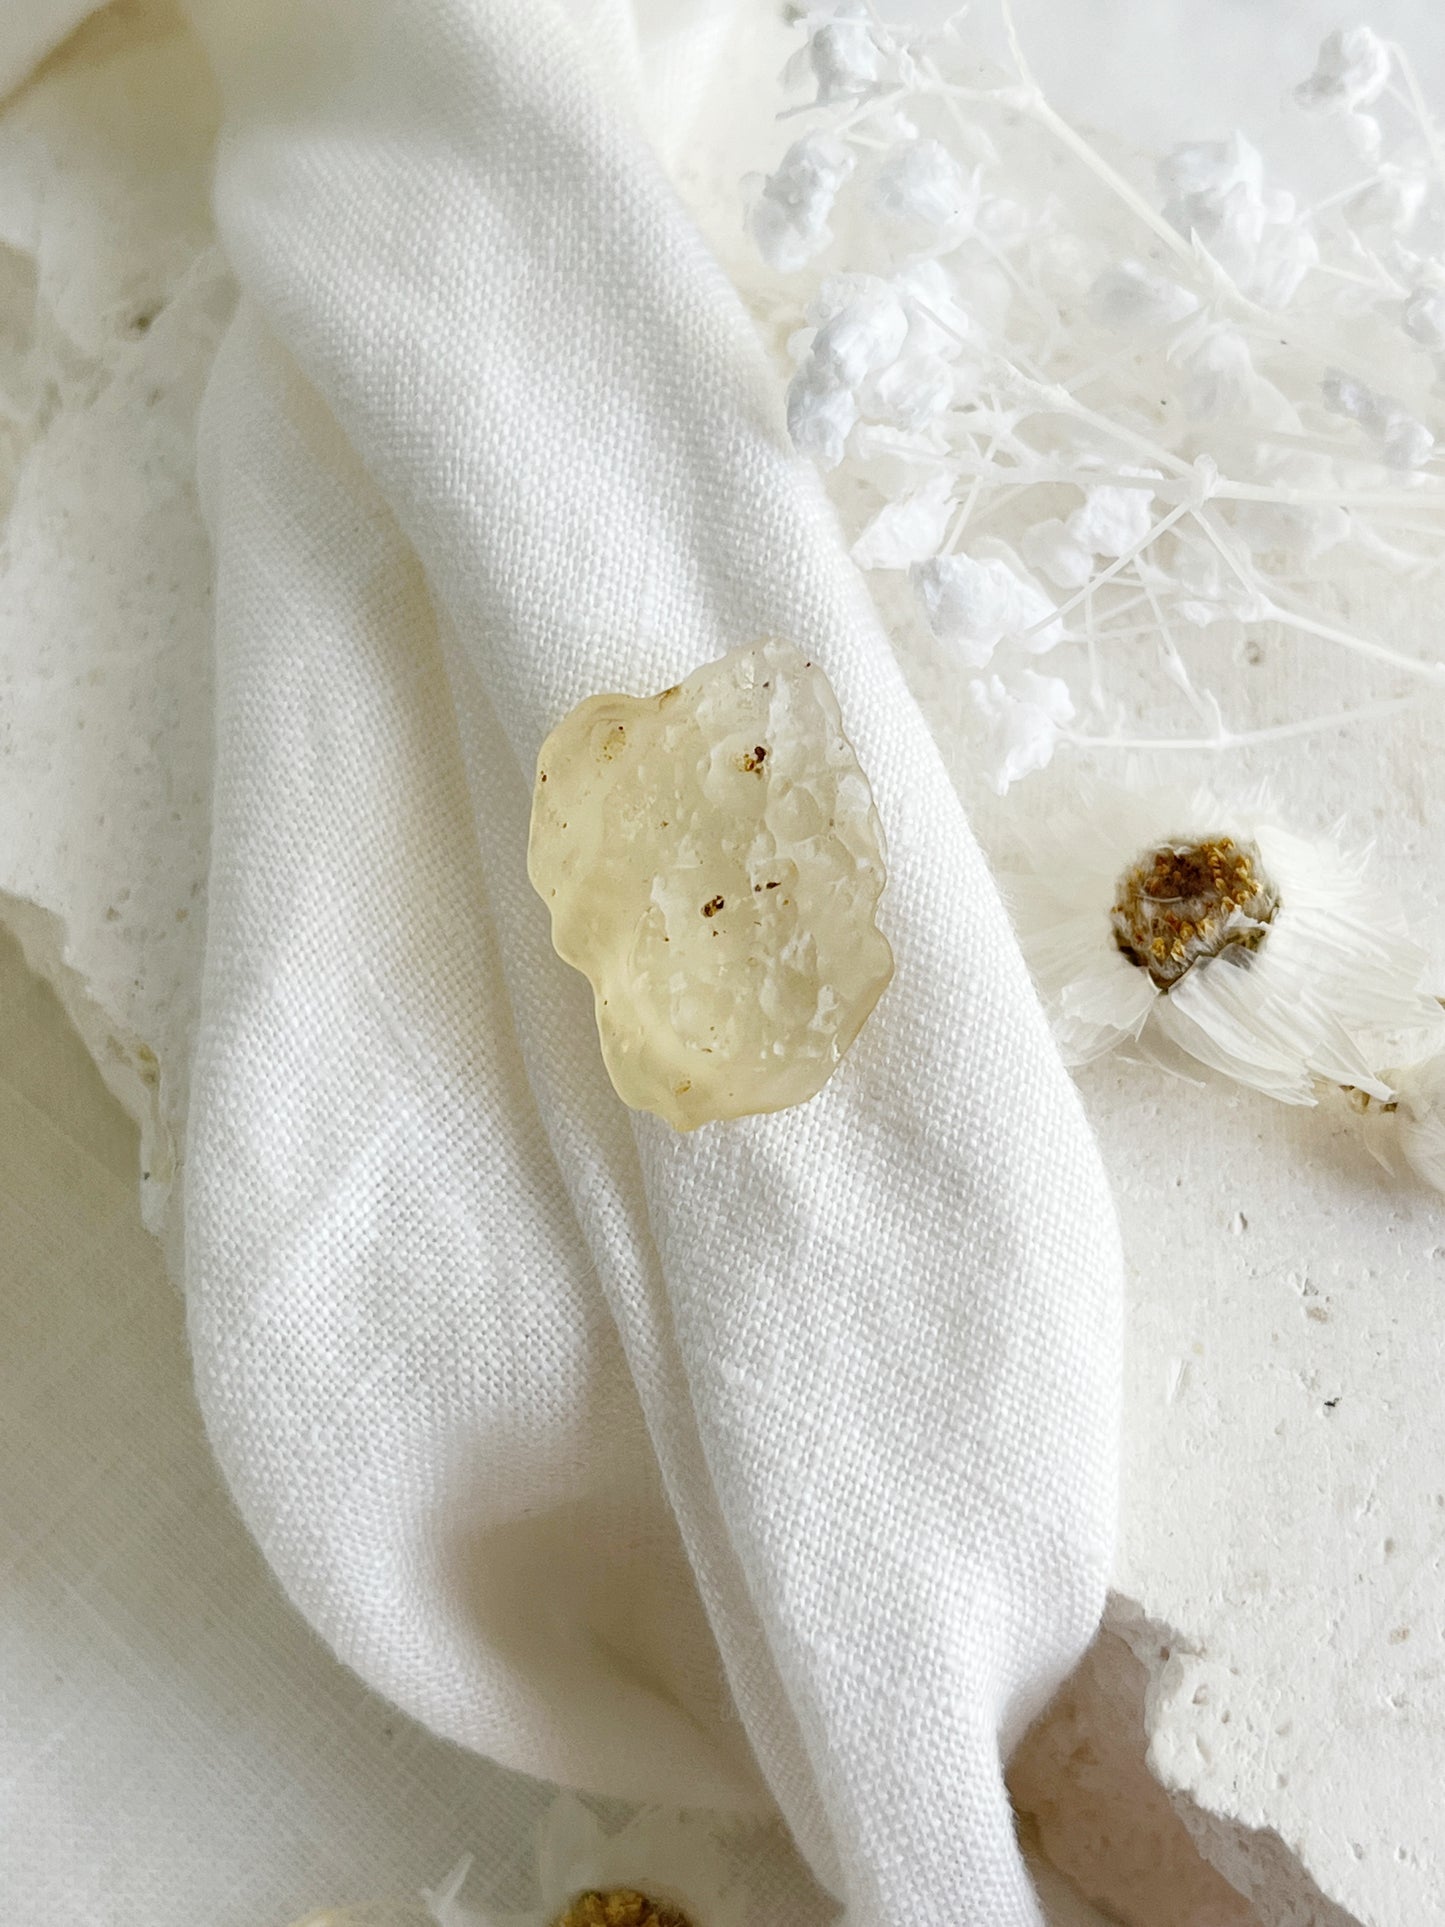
x: 770, y: 1465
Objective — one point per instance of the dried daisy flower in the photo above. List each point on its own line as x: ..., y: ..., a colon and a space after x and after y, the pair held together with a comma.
x: 1199, y: 929
x: 661, y: 1870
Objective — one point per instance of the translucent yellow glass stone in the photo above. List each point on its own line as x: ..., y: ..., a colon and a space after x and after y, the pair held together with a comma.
x: 713, y: 861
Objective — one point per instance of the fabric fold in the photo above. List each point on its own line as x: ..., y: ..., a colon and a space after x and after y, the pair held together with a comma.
x: 774, y: 1462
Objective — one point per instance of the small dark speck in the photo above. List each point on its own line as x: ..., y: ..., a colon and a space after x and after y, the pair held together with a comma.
x: 146, y: 1176
x: 772, y: 886
x: 712, y: 906
x: 141, y: 320
x: 1330, y: 1404
x: 543, y: 777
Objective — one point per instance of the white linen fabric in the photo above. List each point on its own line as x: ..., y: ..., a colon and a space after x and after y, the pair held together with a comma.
x: 770, y: 1464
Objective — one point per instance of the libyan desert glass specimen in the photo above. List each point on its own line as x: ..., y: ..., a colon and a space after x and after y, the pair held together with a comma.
x: 713, y: 861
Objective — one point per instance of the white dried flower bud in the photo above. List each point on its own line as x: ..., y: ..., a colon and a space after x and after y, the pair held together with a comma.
x: 1407, y: 443
x: 973, y: 602
x: 938, y: 324
x: 1206, y: 171
x: 1392, y: 201
x: 1216, y: 193
x: 1023, y: 719
x: 909, y: 530
x: 1351, y: 69
x: 789, y: 222
x: 1343, y: 395
x: 1221, y: 378
x: 1113, y: 520
x: 842, y: 56
x: 821, y: 411
x: 862, y: 338
x: 922, y: 185
x: 1131, y: 296
x: 1423, y: 317
x: 1364, y: 133
x: 1290, y: 528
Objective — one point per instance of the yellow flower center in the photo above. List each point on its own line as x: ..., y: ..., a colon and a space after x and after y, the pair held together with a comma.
x: 620, y: 1907
x: 1184, y: 902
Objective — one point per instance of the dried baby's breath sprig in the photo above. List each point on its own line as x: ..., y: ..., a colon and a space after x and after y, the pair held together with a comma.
x: 1102, y: 428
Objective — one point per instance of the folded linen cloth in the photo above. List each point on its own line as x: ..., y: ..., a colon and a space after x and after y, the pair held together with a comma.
x: 774, y: 1463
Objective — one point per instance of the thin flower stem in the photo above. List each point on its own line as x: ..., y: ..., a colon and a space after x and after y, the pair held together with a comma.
x: 1423, y: 117
x: 956, y: 533
x: 1121, y: 562
x: 1244, y: 738
x: 1276, y: 611
x: 1428, y: 671
x: 1037, y: 106
x: 1378, y: 282
x: 1339, y: 197
x: 1096, y: 681
x: 1360, y: 498
x: 1054, y: 396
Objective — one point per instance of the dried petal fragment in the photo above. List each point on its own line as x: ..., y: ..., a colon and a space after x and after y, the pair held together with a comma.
x: 713, y: 861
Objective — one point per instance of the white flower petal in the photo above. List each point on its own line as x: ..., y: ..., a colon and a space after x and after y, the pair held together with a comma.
x: 570, y: 1843
x: 1419, y: 1121
x: 446, y: 1907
